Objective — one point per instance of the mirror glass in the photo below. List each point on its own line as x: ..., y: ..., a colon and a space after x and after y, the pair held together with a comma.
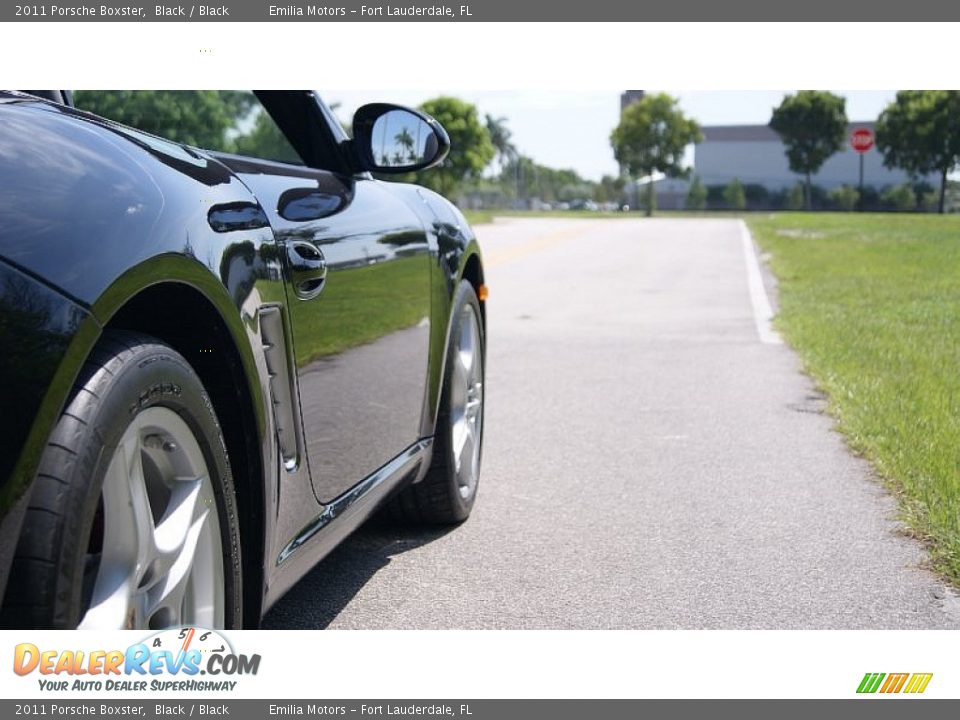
x: 401, y: 139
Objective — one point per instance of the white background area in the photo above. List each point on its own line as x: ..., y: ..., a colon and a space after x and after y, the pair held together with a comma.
x: 562, y: 58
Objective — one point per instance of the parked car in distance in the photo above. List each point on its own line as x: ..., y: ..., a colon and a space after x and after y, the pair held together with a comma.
x: 582, y: 204
x: 218, y: 365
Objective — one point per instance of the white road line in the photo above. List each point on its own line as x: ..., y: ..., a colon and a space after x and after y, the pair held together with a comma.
x: 762, y: 312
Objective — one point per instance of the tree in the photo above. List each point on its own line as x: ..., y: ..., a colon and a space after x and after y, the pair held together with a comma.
x: 652, y: 137
x: 193, y: 117
x: 535, y: 181
x: 813, y: 126
x: 609, y: 190
x: 920, y: 132
x: 900, y: 198
x: 575, y: 191
x: 929, y: 201
x: 506, y: 151
x: 953, y: 196
x: 796, y: 197
x: 521, y: 173
x: 845, y: 197
x: 470, y: 147
x: 696, y: 195
x: 404, y: 139
x: 266, y: 141
x: 734, y: 195
x: 500, y: 139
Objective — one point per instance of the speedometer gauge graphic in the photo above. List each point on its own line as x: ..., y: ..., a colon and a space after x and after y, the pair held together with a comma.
x: 189, y: 638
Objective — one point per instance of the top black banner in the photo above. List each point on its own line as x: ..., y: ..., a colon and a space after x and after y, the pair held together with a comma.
x: 484, y: 11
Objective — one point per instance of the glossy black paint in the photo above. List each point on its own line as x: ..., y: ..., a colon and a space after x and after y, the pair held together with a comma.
x: 104, y: 225
x: 361, y: 335
x: 37, y: 325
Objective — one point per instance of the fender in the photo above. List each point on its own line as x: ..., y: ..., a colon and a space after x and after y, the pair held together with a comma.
x: 454, y: 246
x: 242, y: 322
x: 103, y: 213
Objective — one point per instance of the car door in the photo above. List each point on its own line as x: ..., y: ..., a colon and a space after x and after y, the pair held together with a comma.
x: 357, y: 271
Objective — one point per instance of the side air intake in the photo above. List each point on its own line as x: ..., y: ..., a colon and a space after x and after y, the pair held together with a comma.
x: 281, y: 387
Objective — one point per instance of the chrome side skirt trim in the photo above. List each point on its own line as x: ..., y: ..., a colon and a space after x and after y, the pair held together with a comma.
x: 361, y: 497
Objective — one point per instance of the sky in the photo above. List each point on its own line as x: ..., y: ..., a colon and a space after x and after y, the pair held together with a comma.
x: 571, y: 128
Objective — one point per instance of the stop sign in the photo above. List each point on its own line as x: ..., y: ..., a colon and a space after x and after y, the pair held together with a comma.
x: 861, y: 139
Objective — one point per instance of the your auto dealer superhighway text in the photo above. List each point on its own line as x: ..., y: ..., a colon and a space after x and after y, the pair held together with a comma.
x: 184, y: 11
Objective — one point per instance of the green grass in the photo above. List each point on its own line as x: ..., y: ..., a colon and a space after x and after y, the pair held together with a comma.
x: 480, y: 217
x: 872, y: 304
x: 362, y: 305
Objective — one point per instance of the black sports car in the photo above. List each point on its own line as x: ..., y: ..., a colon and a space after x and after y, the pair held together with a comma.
x: 216, y: 366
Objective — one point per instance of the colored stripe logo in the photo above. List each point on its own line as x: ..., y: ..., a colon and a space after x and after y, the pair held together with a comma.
x: 913, y: 683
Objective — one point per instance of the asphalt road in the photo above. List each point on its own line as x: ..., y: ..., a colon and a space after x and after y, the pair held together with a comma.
x: 648, y: 463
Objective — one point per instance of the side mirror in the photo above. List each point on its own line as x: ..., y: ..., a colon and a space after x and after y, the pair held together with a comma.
x: 391, y: 139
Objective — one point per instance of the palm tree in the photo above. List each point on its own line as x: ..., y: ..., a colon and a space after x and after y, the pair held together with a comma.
x: 500, y: 137
x: 506, y: 151
x: 405, y: 139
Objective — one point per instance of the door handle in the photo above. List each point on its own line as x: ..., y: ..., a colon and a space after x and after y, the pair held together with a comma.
x: 308, y: 269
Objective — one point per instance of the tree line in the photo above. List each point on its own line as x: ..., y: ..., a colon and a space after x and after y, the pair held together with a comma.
x: 735, y: 195
x: 918, y: 132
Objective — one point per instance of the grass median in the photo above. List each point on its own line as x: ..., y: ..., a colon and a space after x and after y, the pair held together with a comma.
x: 872, y: 305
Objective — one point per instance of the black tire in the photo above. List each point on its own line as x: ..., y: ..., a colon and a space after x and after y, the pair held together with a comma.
x: 126, y: 374
x: 437, y: 499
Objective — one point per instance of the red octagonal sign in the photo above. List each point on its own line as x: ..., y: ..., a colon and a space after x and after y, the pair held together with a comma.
x: 861, y: 139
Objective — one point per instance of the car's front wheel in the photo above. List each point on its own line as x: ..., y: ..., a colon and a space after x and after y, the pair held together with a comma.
x: 447, y: 494
x: 132, y: 522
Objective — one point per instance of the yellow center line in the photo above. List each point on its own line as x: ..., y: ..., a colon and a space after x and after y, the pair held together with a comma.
x: 531, y: 246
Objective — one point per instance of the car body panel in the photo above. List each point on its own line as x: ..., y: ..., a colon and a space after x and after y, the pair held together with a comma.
x: 361, y: 345
x: 38, y: 329
x: 94, y: 216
